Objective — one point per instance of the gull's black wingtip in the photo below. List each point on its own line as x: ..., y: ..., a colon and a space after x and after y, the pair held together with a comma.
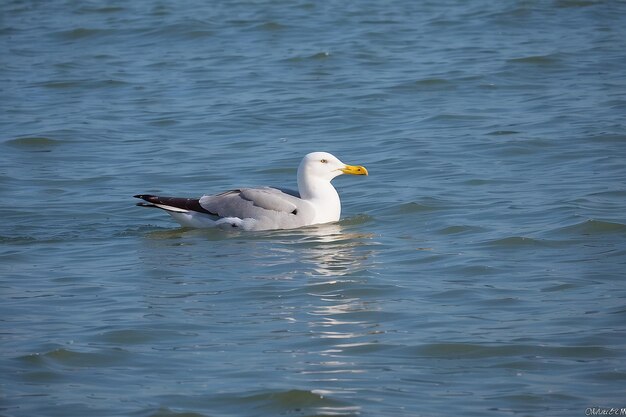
x: 147, y: 197
x: 172, y: 203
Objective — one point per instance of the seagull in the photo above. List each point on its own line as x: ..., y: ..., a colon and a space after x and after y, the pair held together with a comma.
x: 266, y: 208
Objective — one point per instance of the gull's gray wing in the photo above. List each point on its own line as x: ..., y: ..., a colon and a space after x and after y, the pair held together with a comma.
x: 268, y: 205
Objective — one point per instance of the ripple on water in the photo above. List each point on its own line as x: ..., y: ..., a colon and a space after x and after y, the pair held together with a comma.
x: 134, y: 336
x: 461, y: 229
x: 167, y: 412
x: 191, y: 29
x: 473, y: 351
x: 516, y: 242
x: 539, y: 60
x: 503, y: 132
x: 312, y: 57
x: 299, y: 401
x: 592, y: 227
x: 67, y: 357
x: 34, y: 143
x: 426, y: 84
x: 269, y: 402
x: 17, y: 240
x: 415, y: 207
x: 83, y: 84
x: 80, y: 33
x: 101, y: 9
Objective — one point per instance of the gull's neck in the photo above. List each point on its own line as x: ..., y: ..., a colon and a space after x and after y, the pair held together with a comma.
x: 321, y: 193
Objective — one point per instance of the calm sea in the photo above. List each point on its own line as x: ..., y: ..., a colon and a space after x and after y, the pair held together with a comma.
x: 479, y: 269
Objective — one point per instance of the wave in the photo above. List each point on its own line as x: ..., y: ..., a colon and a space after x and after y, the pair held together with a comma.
x: 539, y: 60
x: 33, y: 142
x: 471, y: 350
x: 294, y: 401
x: 67, y: 357
x: 593, y: 227
x: 414, y: 207
x: 516, y: 241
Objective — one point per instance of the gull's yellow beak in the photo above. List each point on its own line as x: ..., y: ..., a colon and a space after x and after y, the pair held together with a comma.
x: 354, y: 170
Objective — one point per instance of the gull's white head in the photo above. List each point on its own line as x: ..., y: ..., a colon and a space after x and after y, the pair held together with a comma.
x: 324, y: 165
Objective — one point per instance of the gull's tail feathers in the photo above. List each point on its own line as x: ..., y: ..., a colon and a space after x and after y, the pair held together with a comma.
x: 173, y: 204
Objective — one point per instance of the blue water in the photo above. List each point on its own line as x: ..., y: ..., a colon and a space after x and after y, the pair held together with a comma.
x: 478, y: 269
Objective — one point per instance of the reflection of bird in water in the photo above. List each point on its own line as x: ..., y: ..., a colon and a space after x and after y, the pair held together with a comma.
x: 331, y: 251
x: 340, y: 309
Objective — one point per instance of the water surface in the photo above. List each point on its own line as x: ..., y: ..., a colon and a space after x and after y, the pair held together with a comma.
x: 478, y: 270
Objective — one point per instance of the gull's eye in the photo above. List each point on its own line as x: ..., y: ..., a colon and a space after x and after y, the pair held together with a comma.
x: 323, y: 161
